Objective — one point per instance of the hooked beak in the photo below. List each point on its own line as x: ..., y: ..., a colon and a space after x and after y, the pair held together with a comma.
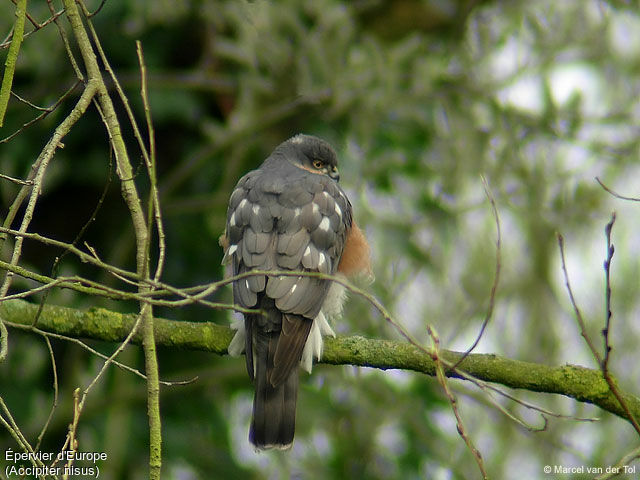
x: 335, y: 174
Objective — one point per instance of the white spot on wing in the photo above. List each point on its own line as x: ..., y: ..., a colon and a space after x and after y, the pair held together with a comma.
x: 242, y: 204
x: 296, y: 212
x: 324, y: 224
x: 232, y: 220
x: 246, y: 283
x: 293, y: 289
x: 232, y: 250
x: 307, y: 251
x: 256, y: 209
x: 338, y: 211
x: 321, y: 260
x: 315, y: 208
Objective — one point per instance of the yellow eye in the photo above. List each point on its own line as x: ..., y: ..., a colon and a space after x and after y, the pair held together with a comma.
x: 318, y: 164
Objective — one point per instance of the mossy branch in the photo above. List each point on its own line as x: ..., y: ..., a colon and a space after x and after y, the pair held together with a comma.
x: 12, y: 57
x: 580, y: 383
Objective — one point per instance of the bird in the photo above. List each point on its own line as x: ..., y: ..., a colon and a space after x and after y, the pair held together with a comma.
x: 288, y: 215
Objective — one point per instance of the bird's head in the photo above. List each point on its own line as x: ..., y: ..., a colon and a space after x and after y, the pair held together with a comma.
x: 313, y: 154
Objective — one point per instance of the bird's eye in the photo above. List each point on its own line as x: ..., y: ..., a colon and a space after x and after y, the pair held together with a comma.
x: 318, y: 164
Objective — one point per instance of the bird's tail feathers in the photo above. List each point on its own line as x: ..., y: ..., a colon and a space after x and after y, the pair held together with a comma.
x: 274, y: 407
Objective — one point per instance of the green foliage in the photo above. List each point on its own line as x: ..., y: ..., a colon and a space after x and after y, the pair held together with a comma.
x: 420, y: 99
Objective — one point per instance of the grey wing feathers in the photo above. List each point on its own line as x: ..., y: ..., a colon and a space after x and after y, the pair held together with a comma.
x: 275, y: 225
x: 293, y: 226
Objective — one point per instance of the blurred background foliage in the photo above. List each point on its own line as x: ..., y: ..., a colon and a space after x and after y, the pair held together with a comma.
x: 420, y: 98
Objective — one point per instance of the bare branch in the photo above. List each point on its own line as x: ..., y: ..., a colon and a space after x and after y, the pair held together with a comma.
x: 617, y: 195
x: 54, y: 404
x: 582, y: 384
x: 496, y: 276
x: 602, y: 362
x: 154, y: 203
x: 140, y: 227
x: 36, y: 177
x: 45, y: 111
x: 442, y: 380
x: 607, y: 275
x: 12, y: 57
x: 619, y: 466
x: 576, y: 309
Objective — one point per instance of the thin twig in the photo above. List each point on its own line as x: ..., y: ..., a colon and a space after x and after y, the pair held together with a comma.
x: 607, y: 276
x: 54, y: 404
x: 91, y: 287
x: 606, y: 331
x: 97, y: 10
x: 154, y: 203
x: 65, y: 41
x: 602, y: 362
x: 44, y: 114
x: 576, y: 309
x: 617, y: 195
x: 40, y: 167
x: 14, y: 180
x: 13, y: 429
x: 37, y: 26
x: 123, y: 98
x: 496, y: 276
x: 442, y: 380
x: 530, y: 406
x: 73, y: 428
x: 31, y: 104
x: 620, y: 465
x: 79, y: 235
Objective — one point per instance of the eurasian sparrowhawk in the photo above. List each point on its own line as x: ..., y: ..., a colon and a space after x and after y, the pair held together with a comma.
x: 290, y: 214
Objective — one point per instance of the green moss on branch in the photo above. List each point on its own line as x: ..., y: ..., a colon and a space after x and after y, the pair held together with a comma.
x: 580, y: 383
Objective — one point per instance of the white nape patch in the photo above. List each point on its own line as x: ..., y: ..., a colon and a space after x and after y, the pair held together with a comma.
x: 256, y: 209
x: 236, y: 347
x: 324, y: 224
x: 297, y: 139
x: 232, y: 220
x: 338, y: 211
x: 331, y: 308
x: 242, y: 204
